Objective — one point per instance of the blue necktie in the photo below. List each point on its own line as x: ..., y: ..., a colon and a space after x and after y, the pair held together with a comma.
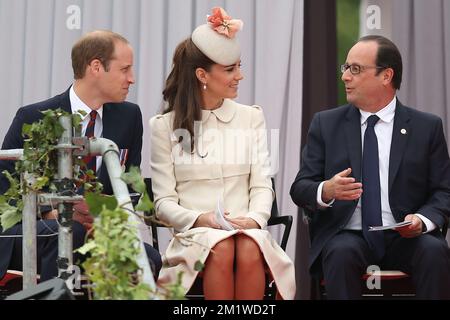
x: 371, y: 196
x: 91, y: 161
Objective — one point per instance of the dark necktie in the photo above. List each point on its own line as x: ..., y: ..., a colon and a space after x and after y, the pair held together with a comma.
x: 371, y: 196
x: 91, y: 161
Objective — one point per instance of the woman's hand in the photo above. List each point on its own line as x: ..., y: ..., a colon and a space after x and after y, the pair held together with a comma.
x: 243, y: 223
x: 207, y: 219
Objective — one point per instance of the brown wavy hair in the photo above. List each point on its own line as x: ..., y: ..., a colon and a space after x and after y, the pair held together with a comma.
x: 182, y: 90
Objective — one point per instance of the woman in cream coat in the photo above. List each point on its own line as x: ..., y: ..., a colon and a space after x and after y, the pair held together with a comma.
x: 225, y: 164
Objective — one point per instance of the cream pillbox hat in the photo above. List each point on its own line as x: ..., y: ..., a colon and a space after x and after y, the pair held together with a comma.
x: 216, y: 39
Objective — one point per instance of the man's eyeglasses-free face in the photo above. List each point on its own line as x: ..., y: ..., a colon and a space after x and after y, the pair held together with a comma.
x: 356, y: 68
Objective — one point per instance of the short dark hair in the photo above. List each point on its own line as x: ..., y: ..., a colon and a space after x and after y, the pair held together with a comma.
x: 388, y: 56
x: 94, y: 45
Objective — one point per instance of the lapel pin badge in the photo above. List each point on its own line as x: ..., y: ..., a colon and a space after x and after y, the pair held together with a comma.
x: 403, y: 131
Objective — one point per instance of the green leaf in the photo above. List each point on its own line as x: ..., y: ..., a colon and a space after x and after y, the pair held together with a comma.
x: 96, y: 201
x: 82, y: 112
x: 41, y: 182
x: 144, y: 204
x: 76, y: 121
x: 10, y: 216
x: 26, y: 129
x: 87, y: 247
x: 13, y: 182
x: 134, y: 178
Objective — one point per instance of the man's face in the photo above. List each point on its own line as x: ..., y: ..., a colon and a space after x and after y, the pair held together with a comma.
x: 364, y: 89
x: 115, y: 83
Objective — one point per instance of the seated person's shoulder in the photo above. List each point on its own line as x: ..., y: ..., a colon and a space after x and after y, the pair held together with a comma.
x: 249, y: 109
x: 32, y: 112
x: 256, y: 107
x: 422, y: 116
x: 257, y: 111
x: 252, y: 113
x: 161, y: 121
x: 126, y: 107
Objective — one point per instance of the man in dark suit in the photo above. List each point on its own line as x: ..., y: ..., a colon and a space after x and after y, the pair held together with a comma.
x: 102, y: 62
x: 376, y: 162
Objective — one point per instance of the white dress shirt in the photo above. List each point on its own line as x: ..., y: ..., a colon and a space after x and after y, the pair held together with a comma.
x: 383, y: 130
x: 77, y: 104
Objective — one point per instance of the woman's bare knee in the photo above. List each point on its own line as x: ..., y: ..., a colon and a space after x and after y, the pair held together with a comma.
x: 222, y: 253
x: 248, y: 252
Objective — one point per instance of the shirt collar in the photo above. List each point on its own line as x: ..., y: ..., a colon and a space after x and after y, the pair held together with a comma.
x: 77, y: 104
x: 224, y: 113
x: 386, y: 114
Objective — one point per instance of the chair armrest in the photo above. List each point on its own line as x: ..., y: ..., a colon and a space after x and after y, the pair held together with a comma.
x: 287, y: 221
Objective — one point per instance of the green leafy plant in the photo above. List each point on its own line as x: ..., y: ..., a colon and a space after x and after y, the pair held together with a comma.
x: 113, y: 251
x: 111, y: 265
x: 39, y: 160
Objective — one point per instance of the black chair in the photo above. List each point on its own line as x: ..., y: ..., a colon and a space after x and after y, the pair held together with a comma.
x: 395, y: 284
x: 196, y: 291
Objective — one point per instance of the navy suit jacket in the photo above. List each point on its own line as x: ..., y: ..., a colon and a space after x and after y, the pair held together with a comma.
x: 419, y: 169
x: 122, y: 123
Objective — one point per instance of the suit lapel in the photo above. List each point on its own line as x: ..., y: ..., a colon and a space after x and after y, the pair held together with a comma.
x: 353, y: 136
x: 109, y: 132
x: 399, y: 141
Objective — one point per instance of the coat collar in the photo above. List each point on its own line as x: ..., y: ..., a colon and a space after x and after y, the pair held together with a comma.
x: 64, y: 100
x: 225, y: 113
x: 77, y: 104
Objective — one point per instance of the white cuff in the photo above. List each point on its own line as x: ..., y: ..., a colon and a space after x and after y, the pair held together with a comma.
x: 428, y: 223
x: 319, y: 197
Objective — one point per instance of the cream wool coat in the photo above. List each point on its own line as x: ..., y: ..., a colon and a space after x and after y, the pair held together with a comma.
x: 230, y: 162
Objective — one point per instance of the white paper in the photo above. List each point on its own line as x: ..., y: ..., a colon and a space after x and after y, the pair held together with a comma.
x: 392, y: 226
x: 220, y: 219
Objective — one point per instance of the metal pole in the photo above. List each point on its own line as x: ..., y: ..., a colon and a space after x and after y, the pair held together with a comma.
x: 65, y: 210
x: 110, y: 153
x: 29, y: 251
x: 12, y: 154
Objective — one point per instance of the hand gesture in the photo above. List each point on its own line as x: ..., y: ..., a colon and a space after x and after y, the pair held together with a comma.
x: 341, y: 187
